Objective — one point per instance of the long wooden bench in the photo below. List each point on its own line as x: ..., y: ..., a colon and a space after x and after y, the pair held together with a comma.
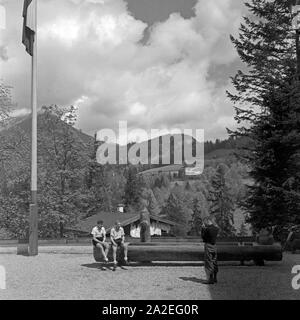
x: 150, y: 252
x: 295, y: 245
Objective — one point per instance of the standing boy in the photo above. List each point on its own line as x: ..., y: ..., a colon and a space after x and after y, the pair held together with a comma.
x: 209, y: 235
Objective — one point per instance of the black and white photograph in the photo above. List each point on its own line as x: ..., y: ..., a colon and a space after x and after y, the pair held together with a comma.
x: 149, y: 151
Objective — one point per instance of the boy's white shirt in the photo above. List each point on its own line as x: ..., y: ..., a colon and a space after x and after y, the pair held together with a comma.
x: 114, y: 234
x: 96, y: 233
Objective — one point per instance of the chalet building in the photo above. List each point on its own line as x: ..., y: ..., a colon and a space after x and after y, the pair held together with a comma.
x: 180, y: 172
x: 130, y: 222
x: 121, y: 208
x: 173, y: 171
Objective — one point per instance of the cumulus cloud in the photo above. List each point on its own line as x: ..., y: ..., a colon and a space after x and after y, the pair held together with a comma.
x: 92, y: 54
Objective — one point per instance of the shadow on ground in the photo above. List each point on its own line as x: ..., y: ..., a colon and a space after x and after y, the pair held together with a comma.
x: 96, y: 266
x: 235, y: 282
x: 193, y: 279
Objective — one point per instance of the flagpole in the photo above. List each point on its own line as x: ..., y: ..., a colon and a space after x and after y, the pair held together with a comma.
x: 33, y: 217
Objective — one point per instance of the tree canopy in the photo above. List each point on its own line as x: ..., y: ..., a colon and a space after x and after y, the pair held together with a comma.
x: 267, y: 105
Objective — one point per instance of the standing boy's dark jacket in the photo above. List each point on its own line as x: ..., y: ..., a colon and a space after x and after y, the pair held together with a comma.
x: 209, y: 234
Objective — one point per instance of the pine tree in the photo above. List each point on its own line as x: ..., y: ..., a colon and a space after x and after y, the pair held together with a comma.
x: 235, y: 182
x: 267, y: 105
x: 188, y: 187
x: 222, y: 207
x: 160, y: 197
x: 175, y: 211
x: 200, y: 211
x: 134, y: 184
x: 100, y: 193
x: 153, y: 203
x: 157, y: 183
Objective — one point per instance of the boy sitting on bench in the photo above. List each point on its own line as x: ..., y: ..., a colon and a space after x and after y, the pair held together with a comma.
x: 99, y: 237
x: 117, y: 236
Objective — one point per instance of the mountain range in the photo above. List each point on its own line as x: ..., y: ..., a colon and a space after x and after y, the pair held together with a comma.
x: 18, y: 132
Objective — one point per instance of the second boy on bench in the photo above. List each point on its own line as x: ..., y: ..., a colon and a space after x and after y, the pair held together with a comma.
x: 117, y: 236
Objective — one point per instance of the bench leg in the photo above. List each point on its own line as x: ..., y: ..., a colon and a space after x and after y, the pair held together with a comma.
x: 120, y: 256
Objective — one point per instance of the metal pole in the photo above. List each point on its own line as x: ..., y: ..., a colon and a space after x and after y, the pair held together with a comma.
x: 33, y: 218
x: 298, y: 54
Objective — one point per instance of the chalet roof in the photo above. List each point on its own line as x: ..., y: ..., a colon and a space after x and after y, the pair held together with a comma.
x: 109, y: 220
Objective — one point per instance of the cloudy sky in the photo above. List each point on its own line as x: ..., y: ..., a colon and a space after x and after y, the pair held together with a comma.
x: 158, y: 64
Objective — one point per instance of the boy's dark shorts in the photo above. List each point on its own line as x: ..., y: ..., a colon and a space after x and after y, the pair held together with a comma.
x: 118, y: 242
x: 95, y: 243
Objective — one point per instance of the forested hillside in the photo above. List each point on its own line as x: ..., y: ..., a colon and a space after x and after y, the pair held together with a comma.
x: 73, y: 186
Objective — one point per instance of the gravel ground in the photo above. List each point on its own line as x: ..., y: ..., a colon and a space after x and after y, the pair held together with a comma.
x: 76, y: 276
